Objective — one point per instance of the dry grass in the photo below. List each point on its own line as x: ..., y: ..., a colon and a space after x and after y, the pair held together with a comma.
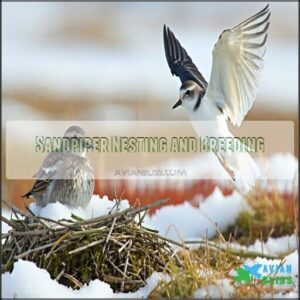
x: 205, y: 268
x: 272, y: 214
x: 201, y: 268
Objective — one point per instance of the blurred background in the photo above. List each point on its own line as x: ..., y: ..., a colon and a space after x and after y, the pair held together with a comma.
x: 106, y: 61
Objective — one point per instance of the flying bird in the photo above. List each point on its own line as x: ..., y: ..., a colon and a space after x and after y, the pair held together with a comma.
x: 229, y: 94
x: 66, y: 175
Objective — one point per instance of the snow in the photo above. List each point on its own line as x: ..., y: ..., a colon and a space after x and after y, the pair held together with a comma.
x: 4, y: 227
x: 190, y: 223
x: 275, y: 246
x: 40, y: 285
x: 282, y: 168
x: 8, y: 215
x: 283, y: 165
x: 184, y: 221
x: 96, y: 208
x: 222, y: 288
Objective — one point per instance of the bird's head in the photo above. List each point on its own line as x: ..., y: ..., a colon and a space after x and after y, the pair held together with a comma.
x: 75, y: 141
x: 189, y: 94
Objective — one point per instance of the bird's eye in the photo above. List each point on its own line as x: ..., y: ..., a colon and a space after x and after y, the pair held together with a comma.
x: 188, y: 92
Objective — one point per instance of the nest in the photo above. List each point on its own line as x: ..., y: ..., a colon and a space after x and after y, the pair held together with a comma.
x: 115, y: 248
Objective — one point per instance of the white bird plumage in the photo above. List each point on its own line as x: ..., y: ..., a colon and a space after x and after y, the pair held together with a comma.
x: 231, y: 91
x: 237, y: 61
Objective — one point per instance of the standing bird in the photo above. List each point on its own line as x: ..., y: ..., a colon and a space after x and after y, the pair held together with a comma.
x: 65, y: 175
x: 237, y: 62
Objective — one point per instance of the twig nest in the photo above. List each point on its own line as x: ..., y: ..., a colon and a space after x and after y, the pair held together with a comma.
x: 115, y: 248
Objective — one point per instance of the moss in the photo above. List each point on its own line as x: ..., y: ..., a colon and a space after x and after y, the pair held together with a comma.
x: 268, y: 218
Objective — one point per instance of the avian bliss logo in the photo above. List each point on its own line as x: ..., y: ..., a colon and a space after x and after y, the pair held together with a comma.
x: 267, y: 273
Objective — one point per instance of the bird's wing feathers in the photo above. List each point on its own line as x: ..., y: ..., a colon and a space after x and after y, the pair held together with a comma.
x: 52, y: 164
x: 38, y: 188
x: 179, y: 61
x: 237, y: 61
x: 47, y: 172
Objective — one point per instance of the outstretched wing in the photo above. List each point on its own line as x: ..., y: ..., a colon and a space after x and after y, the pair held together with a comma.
x: 179, y: 61
x: 237, y: 62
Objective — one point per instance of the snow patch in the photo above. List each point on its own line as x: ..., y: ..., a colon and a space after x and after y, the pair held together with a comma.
x: 96, y: 208
x: 277, y: 167
x: 182, y: 222
x: 40, y: 285
x: 275, y: 246
x: 222, y: 288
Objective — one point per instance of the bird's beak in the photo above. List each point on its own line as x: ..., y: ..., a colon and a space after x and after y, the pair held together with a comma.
x: 178, y: 103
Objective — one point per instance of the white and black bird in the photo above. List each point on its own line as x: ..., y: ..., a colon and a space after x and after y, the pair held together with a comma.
x: 66, y: 175
x: 231, y: 91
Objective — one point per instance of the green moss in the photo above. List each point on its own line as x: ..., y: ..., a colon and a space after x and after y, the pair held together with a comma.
x: 268, y: 218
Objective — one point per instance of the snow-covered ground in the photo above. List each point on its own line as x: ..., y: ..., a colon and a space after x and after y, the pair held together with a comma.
x: 183, y: 221
x: 40, y: 285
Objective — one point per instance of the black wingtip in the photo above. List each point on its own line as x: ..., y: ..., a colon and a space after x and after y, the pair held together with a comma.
x: 265, y: 9
x: 166, y: 31
x: 168, y: 50
x: 27, y: 195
